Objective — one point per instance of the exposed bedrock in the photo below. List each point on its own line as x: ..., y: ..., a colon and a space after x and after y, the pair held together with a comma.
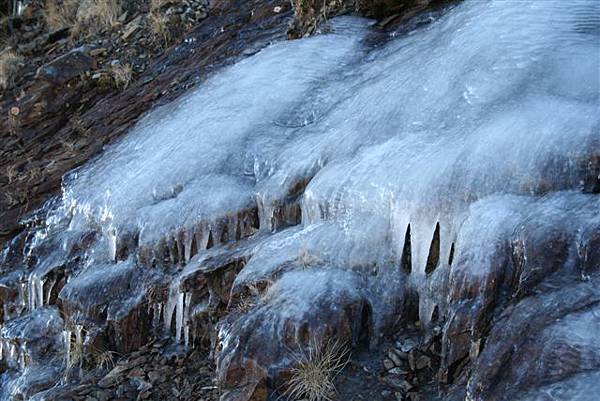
x: 539, y: 248
x: 543, y: 344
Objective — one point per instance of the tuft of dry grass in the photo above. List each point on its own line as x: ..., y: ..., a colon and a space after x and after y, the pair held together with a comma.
x: 83, y: 16
x: 105, y: 359
x: 11, y: 173
x: 315, y: 8
x: 122, y: 75
x: 61, y: 13
x: 96, y: 15
x: 313, y: 376
x: 159, y: 27
x: 10, y: 66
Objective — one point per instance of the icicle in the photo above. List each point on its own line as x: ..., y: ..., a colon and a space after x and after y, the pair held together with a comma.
x: 180, y: 247
x: 31, y: 292
x: 188, y: 237
x: 187, y: 335
x: 111, y: 237
x: 172, y: 245
x: 21, y: 357
x: 67, y: 342
x: 40, y: 292
x: 11, y: 355
x: 51, y: 284
x: 179, y: 317
x: 188, y: 303
x: 170, y: 308
x: 6, y: 314
x: 157, y: 308
x: 78, y: 335
x: 186, y: 317
x: 232, y: 228
x: 216, y: 231
x: 22, y: 294
x: 201, y: 237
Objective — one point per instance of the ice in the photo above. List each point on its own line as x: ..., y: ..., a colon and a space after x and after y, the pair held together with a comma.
x: 411, y: 132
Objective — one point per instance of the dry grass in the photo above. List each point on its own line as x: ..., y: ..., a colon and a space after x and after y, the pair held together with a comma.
x: 315, y: 8
x: 61, y: 13
x: 309, y: 14
x: 76, y: 355
x: 159, y: 26
x: 105, y: 359
x: 257, y: 293
x: 307, y: 259
x: 83, y: 17
x: 122, y: 75
x: 313, y: 377
x: 10, y: 66
x: 11, y: 173
x: 99, y: 15
x: 158, y: 4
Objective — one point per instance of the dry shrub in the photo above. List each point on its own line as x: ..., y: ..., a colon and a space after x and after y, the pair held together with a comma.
x: 122, y: 75
x: 10, y: 66
x: 313, y: 377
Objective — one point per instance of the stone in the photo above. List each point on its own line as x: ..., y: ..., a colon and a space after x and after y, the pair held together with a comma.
x: 155, y: 377
x: 107, y: 381
x: 132, y: 27
x: 395, y: 358
x: 64, y: 68
x: 144, y: 386
x: 98, y: 51
x: 422, y: 362
x: 398, y: 371
x: 388, y: 364
x: 136, y: 373
x: 414, y: 397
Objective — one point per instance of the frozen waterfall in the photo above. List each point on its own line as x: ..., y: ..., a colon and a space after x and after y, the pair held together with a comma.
x: 318, y: 160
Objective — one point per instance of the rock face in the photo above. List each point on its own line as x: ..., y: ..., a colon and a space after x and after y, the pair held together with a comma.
x: 292, y: 200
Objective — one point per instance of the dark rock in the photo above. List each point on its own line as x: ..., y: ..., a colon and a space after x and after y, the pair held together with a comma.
x: 66, y: 67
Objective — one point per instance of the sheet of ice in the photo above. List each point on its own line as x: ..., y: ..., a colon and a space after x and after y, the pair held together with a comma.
x: 495, y: 97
